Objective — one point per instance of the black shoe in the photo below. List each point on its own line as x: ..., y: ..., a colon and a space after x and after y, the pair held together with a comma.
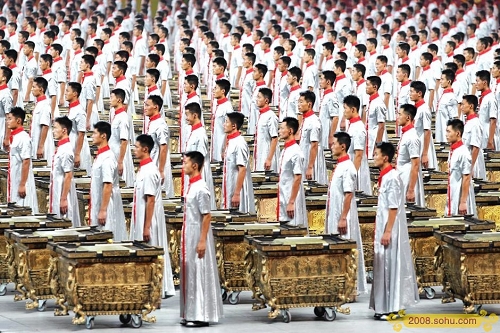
x: 377, y: 316
x: 196, y: 324
x: 183, y: 322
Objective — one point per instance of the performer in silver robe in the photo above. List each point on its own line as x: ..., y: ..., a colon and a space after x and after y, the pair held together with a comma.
x: 357, y: 131
x: 221, y: 109
x: 119, y: 140
x: 200, y: 301
x: 291, y: 197
x: 106, y: 207
x: 488, y: 111
x: 20, y: 180
x: 447, y: 105
x: 88, y: 96
x: 266, y: 150
x: 310, y: 140
x: 6, y: 103
x: 329, y: 111
x: 237, y: 186
x: 341, y: 210
x: 422, y: 123
x: 376, y: 113
x: 394, y: 284
x: 408, y: 156
x: 158, y: 130
x: 473, y: 135
x: 259, y: 74
x: 41, y: 121
x: 198, y: 141
x: 62, y: 192
x: 77, y: 136
x: 460, y: 197
x: 189, y: 96
x: 148, y: 216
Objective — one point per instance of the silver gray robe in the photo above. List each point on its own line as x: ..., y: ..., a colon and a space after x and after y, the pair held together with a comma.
x: 376, y: 112
x: 344, y: 181
x: 473, y: 137
x: 291, y: 164
x: 120, y: 131
x: 42, y: 117
x: 328, y: 109
x: 78, y: 117
x: 218, y: 136
x: 158, y: 129
x: 422, y: 122
x: 394, y: 284
x: 237, y: 154
x: 105, y: 170
x: 200, y: 287
x: 267, y: 129
x: 311, y: 132
x: 357, y: 131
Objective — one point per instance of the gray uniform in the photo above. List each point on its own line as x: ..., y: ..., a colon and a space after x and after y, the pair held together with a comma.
x: 357, y: 131
x: 310, y: 132
x: 5, y: 106
x: 158, y: 129
x: 120, y: 131
x: 473, y: 137
x: 422, y: 122
x: 218, y: 137
x: 376, y: 112
x: 78, y: 116
x: 267, y: 129
x: 41, y: 117
x: 328, y: 108
x: 488, y: 109
x: 447, y: 109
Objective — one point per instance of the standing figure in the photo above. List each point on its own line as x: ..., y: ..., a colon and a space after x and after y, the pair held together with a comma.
x: 106, y: 207
x: 291, y: 198
x: 6, y: 103
x: 62, y: 191
x: 473, y: 135
x: 20, y: 179
x: 43, y: 139
x: 148, y: 216
x: 201, y: 301
x: 341, y: 210
x: 394, y: 286
x: 266, y: 150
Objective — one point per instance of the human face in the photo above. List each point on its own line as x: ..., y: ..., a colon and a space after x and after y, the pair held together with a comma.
x: 403, y: 118
x: 98, y: 138
x: 356, y: 75
x: 228, y: 126
x: 190, y: 117
x: 466, y: 108
x: 400, y: 75
x: 58, y: 131
x: 36, y: 90
x: 348, y: 112
x: 289, y: 79
x: 423, y: 62
x: 218, y: 92
x: 337, y: 148
x: 378, y: 158
x: 70, y: 95
x: 261, y: 101
x: 480, y: 85
x: 255, y: 74
x: 218, y: 70
x: 13, y: 122
x: 304, y: 105
x: 148, y: 63
x: 188, y: 166
x: 451, y: 135
x: 26, y: 50
x: 139, y: 151
x: 148, y: 80
x: 323, y: 83
x: 445, y: 83
x: 281, y: 66
x: 184, y: 64
x: 116, y: 72
x: 495, y: 72
x: 187, y: 87
x: 379, y: 66
x: 44, y: 65
x: 149, y: 108
x: 284, y: 132
x: 370, y: 88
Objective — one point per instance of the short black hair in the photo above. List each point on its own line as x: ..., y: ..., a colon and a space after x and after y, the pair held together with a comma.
x: 189, y: 58
x: 387, y: 149
x: 7, y: 72
x: 296, y: 72
x: 122, y: 65
x: 65, y: 122
x: 192, y: 79
x: 194, y: 108
x: 119, y: 93
x: 375, y: 80
x: 484, y: 75
x: 267, y: 93
x: 352, y: 101
x: 76, y: 87
x: 410, y: 110
x: 103, y: 127
x: 292, y: 123
x: 145, y: 140
x: 471, y: 99
x: 456, y: 125
x: 157, y: 100
x: 419, y: 86
x: 330, y: 76
x: 343, y: 138
x: 236, y: 118
x: 261, y: 68
x: 196, y: 157
x: 41, y: 82
x: 19, y: 113
x: 224, y: 85
x: 154, y: 73
x: 309, y: 96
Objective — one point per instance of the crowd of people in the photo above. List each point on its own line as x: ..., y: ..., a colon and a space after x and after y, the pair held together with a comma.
x: 315, y: 75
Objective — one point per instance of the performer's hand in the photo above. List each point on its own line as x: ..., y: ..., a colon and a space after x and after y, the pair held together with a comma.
x: 462, y: 208
x: 22, y: 191
x: 330, y: 141
x: 63, y: 206
x: 290, y: 210
x: 102, y: 216
x: 89, y: 126
x: 77, y: 161
x: 267, y: 165
x: 120, y: 169
x: 146, y: 235
x: 6, y: 144
x: 410, y: 195
x: 200, y: 249
x: 490, y: 145
x: 386, y: 238
x: 235, y: 200
x: 309, y: 173
x: 39, y: 153
x: 162, y: 177
x: 342, y: 226
x: 425, y: 161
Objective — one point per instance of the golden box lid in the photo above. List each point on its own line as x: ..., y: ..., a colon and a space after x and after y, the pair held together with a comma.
x: 305, y: 243
x: 76, y: 250
x: 33, y: 222
x: 263, y: 229
x: 83, y: 234
x: 470, y: 240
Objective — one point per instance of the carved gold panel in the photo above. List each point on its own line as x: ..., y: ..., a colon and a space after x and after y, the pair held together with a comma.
x: 174, y: 243
x: 316, y: 218
x: 4, y: 268
x: 493, y: 176
x: 266, y: 209
x: 367, y: 237
x: 437, y: 202
x: 177, y: 187
x: 231, y: 263
x: 3, y: 188
x: 491, y: 213
x: 42, y: 195
x: 423, y: 253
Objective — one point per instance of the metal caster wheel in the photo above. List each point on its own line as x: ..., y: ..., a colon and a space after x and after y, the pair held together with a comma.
x: 3, y: 289
x: 234, y: 298
x: 224, y: 295
x: 90, y: 323
x: 136, y: 321
x: 125, y: 318
x: 287, y: 316
x: 430, y: 293
x: 41, y: 305
x: 319, y: 311
x: 369, y: 277
x: 330, y: 314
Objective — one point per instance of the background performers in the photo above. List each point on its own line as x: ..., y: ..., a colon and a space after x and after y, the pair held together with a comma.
x: 106, y: 207
x: 394, y: 284
x: 408, y: 159
x: 460, y: 197
x: 21, y: 181
x: 357, y: 130
x: 148, y: 217
x: 198, y: 141
x: 237, y: 187
x: 62, y: 192
x: 341, y: 210
x: 473, y: 135
x: 291, y: 199
x: 201, y: 300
